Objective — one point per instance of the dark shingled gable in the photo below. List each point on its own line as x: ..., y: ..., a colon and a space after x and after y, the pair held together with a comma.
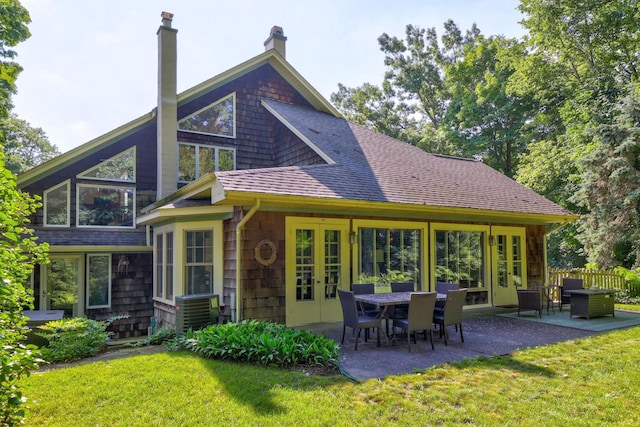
x: 373, y: 167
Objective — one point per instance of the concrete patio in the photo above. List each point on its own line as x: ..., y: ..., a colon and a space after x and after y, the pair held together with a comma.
x: 485, y: 334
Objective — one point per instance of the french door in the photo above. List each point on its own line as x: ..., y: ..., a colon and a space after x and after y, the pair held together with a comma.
x: 317, y: 264
x: 508, y: 264
x: 62, y: 288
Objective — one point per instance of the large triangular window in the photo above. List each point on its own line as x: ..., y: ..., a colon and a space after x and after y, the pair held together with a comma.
x: 121, y: 167
x: 218, y: 118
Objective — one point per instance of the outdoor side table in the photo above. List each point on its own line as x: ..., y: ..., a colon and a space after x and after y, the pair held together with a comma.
x: 591, y: 303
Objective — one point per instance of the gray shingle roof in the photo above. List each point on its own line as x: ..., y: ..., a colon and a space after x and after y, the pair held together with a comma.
x: 373, y: 167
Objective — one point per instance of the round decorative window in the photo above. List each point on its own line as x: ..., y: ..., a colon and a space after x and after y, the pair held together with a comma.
x: 265, y: 252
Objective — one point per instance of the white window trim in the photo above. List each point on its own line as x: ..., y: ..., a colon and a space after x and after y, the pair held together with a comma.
x: 233, y: 97
x: 109, y: 227
x: 197, y: 157
x: 67, y: 223
x: 82, y: 175
x: 89, y: 256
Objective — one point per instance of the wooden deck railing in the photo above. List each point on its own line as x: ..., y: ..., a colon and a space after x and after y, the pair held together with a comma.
x: 604, y: 279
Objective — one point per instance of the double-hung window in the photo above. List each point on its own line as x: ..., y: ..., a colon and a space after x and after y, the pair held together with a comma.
x: 198, y: 262
x: 164, y: 265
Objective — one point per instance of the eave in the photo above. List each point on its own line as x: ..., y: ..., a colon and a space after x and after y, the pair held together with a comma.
x: 168, y: 214
x: 83, y: 150
x: 208, y: 187
x: 280, y: 65
x: 288, y: 203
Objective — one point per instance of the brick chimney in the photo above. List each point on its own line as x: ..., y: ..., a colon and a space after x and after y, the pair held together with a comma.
x: 167, y: 117
x: 276, y: 41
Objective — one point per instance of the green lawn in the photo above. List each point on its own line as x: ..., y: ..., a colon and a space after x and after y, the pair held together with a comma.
x: 593, y: 381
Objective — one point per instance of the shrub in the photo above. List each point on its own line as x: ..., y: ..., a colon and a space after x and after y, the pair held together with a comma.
x: 75, y: 338
x: 627, y: 297
x: 260, y: 342
x: 160, y: 336
x: 631, y: 295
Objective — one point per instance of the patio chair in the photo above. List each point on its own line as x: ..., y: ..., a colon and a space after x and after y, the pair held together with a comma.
x: 365, y: 288
x: 401, y: 311
x: 352, y: 319
x: 452, y: 313
x: 420, y: 317
x: 364, y: 308
x: 530, y: 299
x: 569, y: 284
x: 444, y: 288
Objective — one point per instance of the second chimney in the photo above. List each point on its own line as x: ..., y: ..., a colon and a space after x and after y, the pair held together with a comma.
x: 276, y: 41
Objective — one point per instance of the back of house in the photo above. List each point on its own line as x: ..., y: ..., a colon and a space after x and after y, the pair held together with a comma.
x: 253, y: 187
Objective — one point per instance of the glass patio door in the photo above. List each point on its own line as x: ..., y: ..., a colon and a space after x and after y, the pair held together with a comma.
x: 62, y: 285
x: 509, y: 264
x: 317, y: 265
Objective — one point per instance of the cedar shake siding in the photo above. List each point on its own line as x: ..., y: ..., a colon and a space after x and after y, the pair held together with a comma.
x: 255, y: 126
x: 131, y: 295
x: 536, y: 275
x: 263, y: 294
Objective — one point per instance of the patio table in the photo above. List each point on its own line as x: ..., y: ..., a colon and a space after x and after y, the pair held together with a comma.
x: 549, y: 291
x: 384, y: 300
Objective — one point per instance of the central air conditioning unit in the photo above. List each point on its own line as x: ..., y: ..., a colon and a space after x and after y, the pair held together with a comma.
x: 196, y: 311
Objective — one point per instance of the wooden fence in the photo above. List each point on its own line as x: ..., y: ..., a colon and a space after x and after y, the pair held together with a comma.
x: 604, y: 279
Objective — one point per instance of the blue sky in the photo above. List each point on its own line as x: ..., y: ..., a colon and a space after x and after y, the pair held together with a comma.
x: 91, y: 66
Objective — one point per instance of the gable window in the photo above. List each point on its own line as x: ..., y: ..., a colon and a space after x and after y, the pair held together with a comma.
x: 196, y: 160
x: 98, y: 280
x: 56, y: 205
x: 218, y: 119
x: 105, y: 205
x: 198, y: 262
x: 120, y: 167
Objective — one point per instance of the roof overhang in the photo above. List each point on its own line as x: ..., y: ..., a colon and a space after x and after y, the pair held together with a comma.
x: 59, y: 162
x: 303, y: 204
x: 280, y: 65
x: 209, y: 188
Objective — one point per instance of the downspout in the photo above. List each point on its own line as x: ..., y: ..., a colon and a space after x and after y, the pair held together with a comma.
x: 239, y: 229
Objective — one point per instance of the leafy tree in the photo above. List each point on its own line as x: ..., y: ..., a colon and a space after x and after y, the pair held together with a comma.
x: 24, y: 147
x: 582, y: 55
x: 18, y: 254
x: 18, y: 249
x: 13, y: 30
x: 611, y: 189
x: 376, y: 108
x: 485, y: 118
